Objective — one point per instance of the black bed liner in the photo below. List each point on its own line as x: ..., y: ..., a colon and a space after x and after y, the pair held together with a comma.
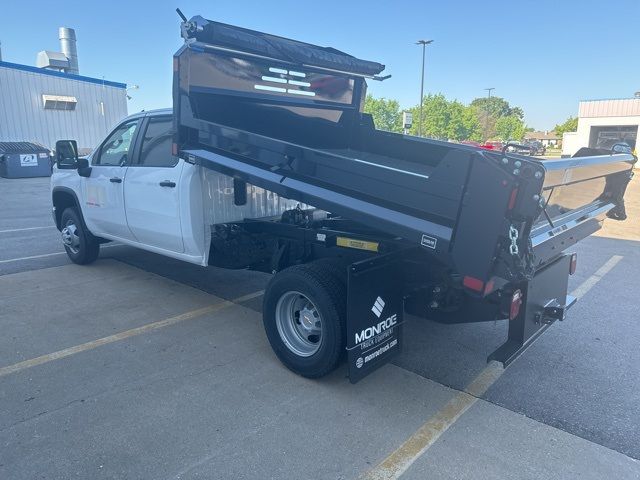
x: 383, y: 161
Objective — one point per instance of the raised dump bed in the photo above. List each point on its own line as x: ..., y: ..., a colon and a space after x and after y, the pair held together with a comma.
x: 288, y: 116
x: 483, y: 226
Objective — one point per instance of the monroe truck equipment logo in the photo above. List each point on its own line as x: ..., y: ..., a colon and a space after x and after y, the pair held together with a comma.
x: 378, y: 306
x: 369, y: 332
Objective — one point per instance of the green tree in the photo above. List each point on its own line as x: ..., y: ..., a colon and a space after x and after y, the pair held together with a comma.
x: 497, y: 107
x: 490, y: 110
x: 446, y: 120
x: 517, y: 112
x: 386, y: 113
x: 435, y: 117
x: 570, y: 125
x: 449, y: 119
x: 473, y: 124
x: 464, y: 123
x: 487, y: 123
x: 510, y: 128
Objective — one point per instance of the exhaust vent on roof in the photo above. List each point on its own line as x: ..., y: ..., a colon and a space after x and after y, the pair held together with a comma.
x: 59, y: 102
x: 68, y: 46
x: 52, y: 61
x: 64, y: 61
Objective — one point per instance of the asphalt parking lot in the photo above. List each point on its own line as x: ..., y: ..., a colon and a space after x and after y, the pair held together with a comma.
x: 142, y: 367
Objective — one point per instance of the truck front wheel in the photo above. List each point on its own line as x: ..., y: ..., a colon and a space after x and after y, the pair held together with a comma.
x: 304, y: 314
x: 81, y: 247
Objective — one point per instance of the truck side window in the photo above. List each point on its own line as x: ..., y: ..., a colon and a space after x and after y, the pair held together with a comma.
x: 156, y: 144
x: 115, y: 150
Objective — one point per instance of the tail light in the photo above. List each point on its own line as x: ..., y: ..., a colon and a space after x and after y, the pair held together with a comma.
x: 573, y: 264
x: 174, y: 149
x: 490, y: 285
x: 473, y: 283
x: 516, y: 303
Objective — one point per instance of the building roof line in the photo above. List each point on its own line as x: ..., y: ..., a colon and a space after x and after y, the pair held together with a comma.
x: 68, y: 76
x: 605, y: 99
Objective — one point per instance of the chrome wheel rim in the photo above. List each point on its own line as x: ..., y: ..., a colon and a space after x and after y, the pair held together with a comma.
x: 299, y: 323
x: 70, y: 237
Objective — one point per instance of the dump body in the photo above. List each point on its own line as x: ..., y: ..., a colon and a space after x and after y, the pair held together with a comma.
x: 247, y: 106
x: 460, y: 234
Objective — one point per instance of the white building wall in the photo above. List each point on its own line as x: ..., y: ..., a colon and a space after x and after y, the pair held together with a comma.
x: 601, y: 113
x: 24, y: 118
x: 571, y: 143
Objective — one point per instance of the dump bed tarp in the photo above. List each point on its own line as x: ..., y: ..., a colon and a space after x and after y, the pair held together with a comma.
x: 280, y: 48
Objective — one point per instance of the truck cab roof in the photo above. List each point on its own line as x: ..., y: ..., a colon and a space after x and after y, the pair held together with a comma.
x: 150, y: 113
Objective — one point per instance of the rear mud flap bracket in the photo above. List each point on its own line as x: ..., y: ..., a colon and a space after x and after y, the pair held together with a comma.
x: 546, y: 300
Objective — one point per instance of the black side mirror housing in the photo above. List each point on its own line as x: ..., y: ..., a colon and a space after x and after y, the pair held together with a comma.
x: 67, y: 154
x: 84, y: 170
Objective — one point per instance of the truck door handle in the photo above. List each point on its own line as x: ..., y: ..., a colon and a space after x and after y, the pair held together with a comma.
x: 115, y: 180
x: 168, y: 183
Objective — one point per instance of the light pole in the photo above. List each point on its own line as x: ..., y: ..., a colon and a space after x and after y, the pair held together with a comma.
x: 424, y: 44
x: 486, y: 113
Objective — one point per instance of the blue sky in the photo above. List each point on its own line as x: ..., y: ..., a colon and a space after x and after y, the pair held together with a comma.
x: 543, y: 55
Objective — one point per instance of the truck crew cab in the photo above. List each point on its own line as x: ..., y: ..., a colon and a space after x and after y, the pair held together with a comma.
x: 133, y: 190
x: 267, y: 162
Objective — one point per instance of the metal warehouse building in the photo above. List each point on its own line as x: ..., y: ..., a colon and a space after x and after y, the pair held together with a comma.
x: 43, y: 106
x: 52, y: 102
x: 602, y: 123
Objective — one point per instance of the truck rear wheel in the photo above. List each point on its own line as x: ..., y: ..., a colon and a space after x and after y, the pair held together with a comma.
x: 304, y: 315
x: 81, y: 247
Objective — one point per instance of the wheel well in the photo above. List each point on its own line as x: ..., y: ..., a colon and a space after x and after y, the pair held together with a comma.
x: 61, y: 201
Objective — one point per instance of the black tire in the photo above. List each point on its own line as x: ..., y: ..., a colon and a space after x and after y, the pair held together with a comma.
x: 84, y: 248
x: 321, y: 285
x: 335, y: 266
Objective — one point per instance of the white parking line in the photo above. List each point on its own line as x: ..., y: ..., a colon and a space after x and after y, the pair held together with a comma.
x: 26, y: 229
x: 44, y: 255
x: 149, y: 327
x: 590, y: 282
x: 416, y: 445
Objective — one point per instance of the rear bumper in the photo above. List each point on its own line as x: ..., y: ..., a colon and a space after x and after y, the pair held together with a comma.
x: 545, y: 301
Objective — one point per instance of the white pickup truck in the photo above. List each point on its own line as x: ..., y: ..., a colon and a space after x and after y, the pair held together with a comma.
x: 135, y: 191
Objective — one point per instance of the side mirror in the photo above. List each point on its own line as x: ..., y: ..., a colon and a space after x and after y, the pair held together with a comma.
x: 84, y: 170
x: 67, y: 154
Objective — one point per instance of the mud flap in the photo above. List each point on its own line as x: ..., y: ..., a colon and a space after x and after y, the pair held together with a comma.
x: 374, y: 314
x: 545, y: 301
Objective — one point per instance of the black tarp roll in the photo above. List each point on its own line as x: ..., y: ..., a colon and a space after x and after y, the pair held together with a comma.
x: 281, y: 48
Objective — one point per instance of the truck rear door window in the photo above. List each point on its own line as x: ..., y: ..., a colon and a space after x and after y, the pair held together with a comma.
x: 156, y: 144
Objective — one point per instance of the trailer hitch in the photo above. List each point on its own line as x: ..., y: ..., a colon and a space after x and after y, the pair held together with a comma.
x: 554, y: 310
